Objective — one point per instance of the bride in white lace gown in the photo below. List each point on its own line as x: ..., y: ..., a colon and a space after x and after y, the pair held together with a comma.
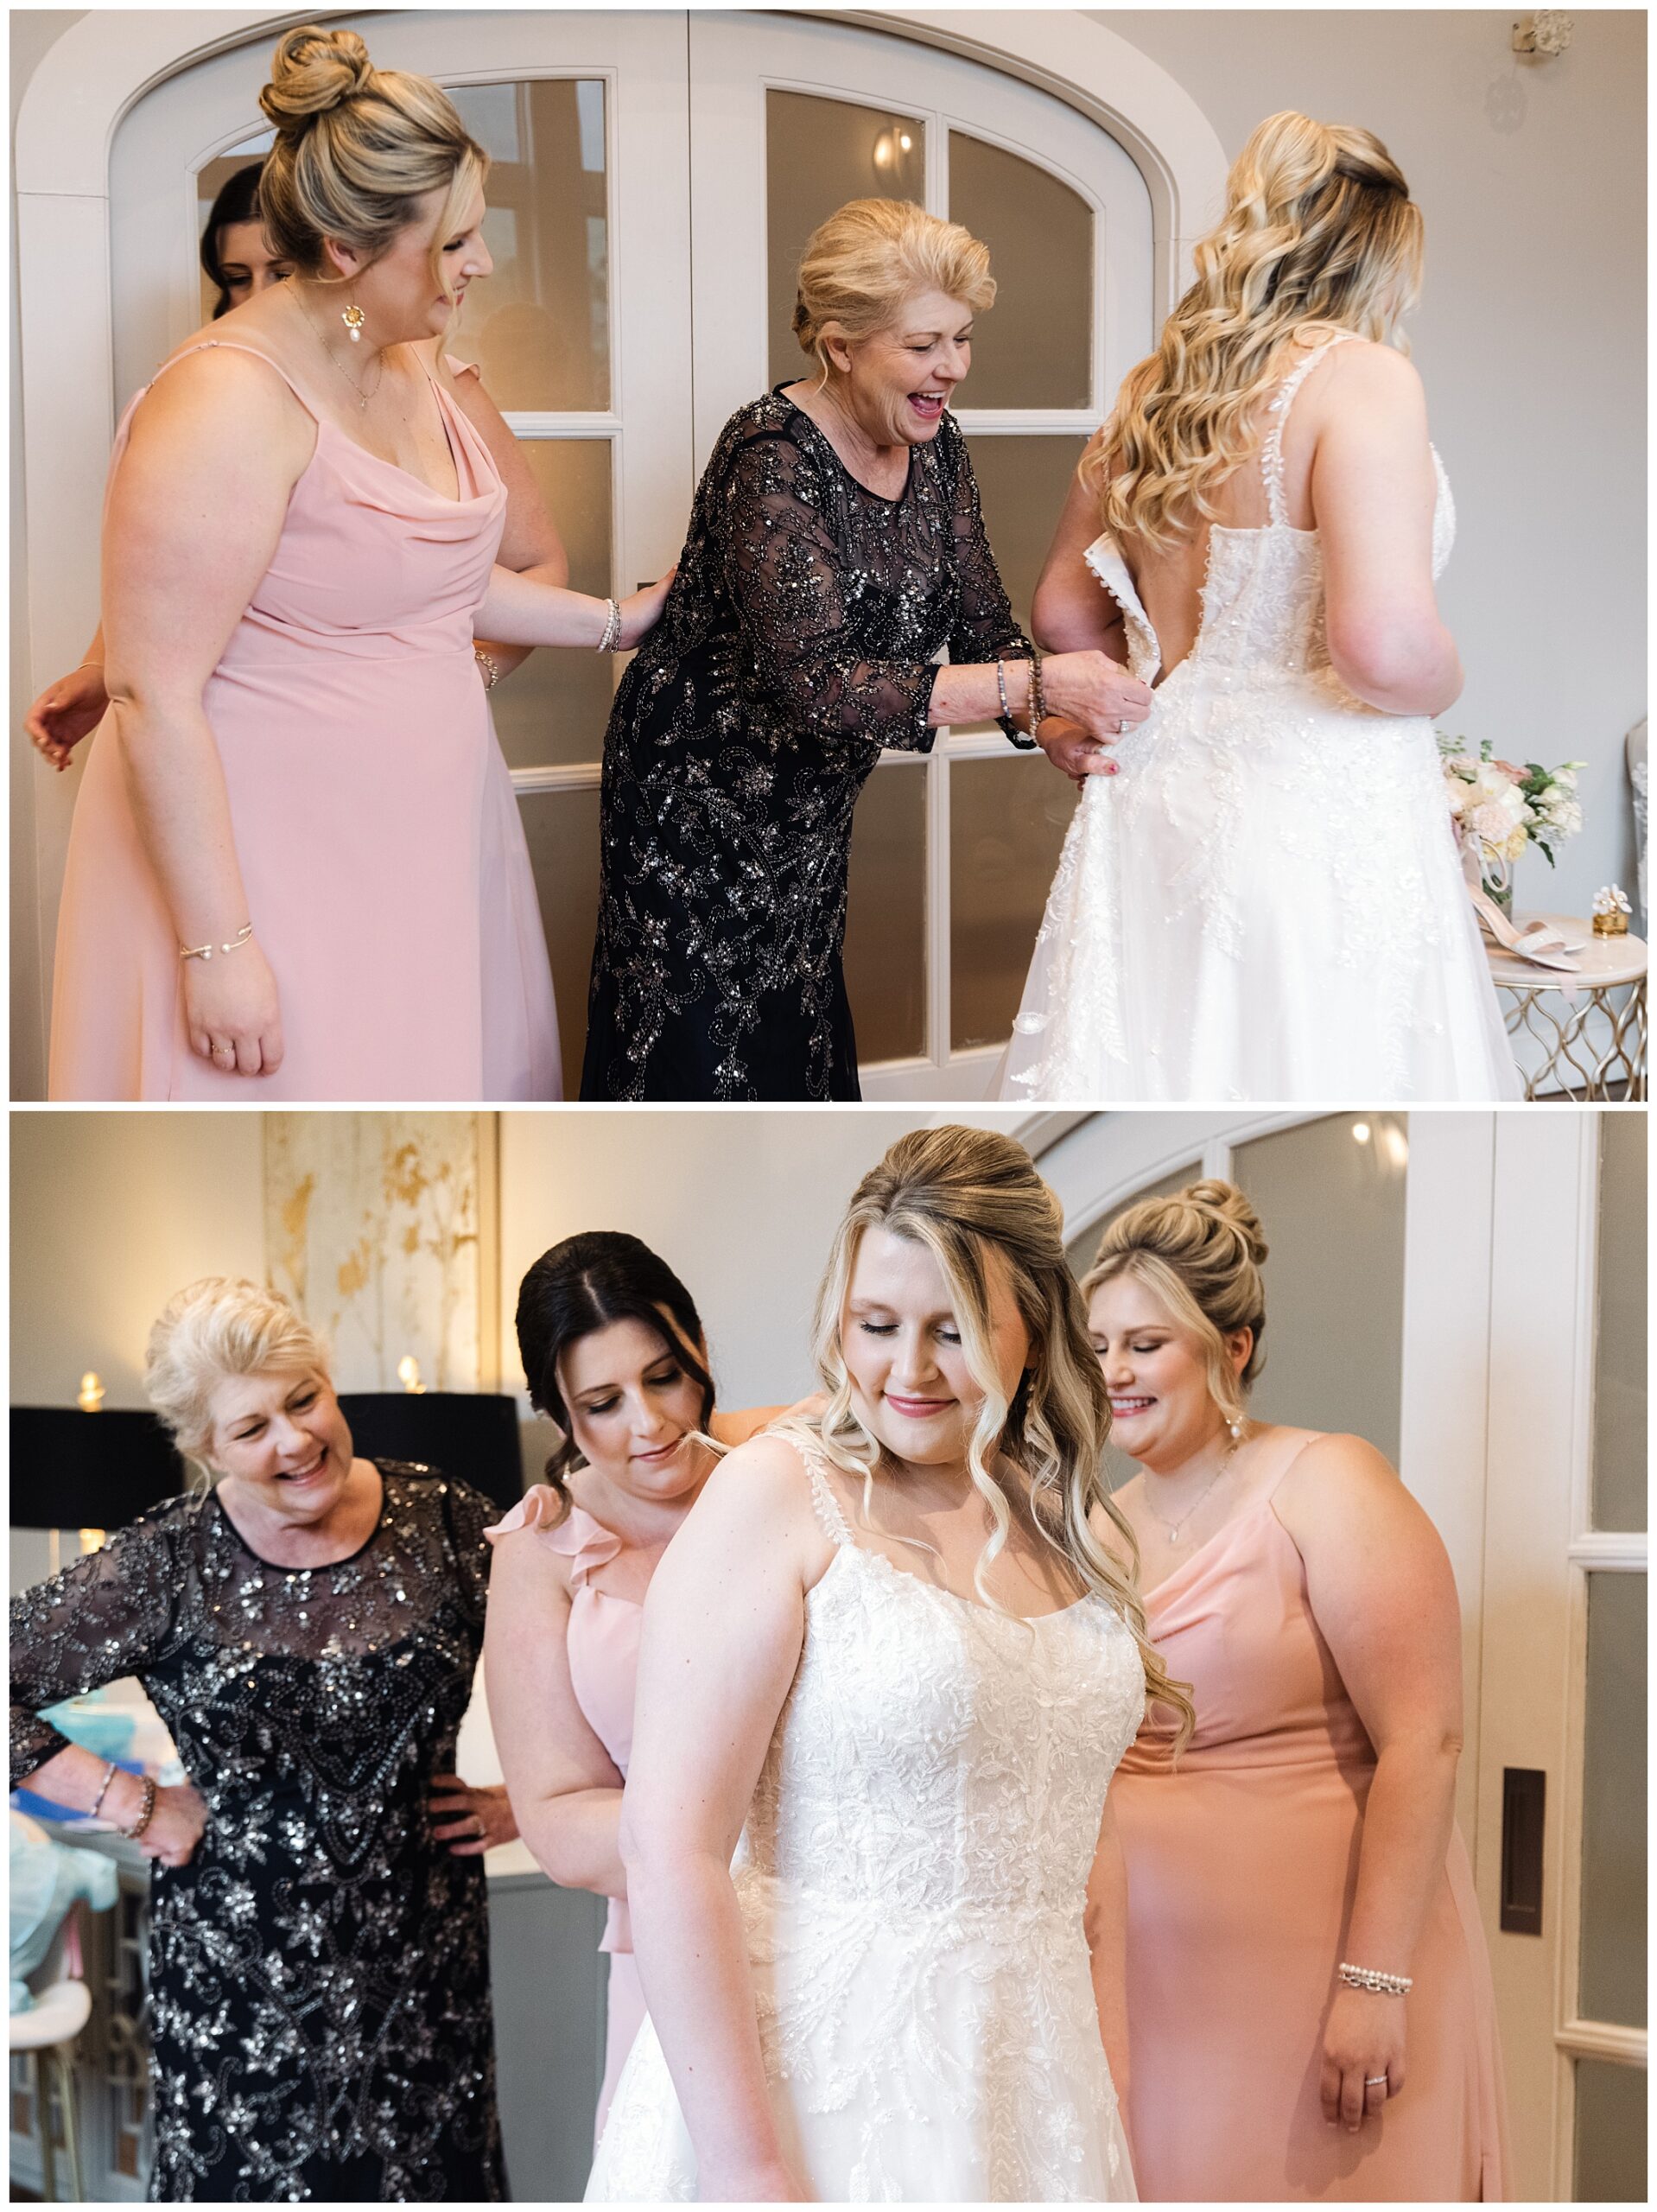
x: 887, y: 1995
x: 1265, y: 901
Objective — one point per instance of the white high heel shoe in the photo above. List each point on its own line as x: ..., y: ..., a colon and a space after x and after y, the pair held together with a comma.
x: 1536, y: 942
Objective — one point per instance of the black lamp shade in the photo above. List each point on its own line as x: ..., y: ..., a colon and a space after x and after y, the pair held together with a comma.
x: 73, y: 1470
x: 469, y: 1434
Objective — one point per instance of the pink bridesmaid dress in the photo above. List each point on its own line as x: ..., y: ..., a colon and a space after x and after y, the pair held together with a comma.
x: 386, y: 870
x: 603, y: 1648
x: 1241, y: 1869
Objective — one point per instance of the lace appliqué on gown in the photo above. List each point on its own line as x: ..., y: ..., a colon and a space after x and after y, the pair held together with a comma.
x: 1265, y: 901
x: 912, y: 1879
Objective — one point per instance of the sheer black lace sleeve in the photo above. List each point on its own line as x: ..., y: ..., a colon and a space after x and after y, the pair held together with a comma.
x: 795, y: 587
x: 109, y: 1614
x: 984, y: 629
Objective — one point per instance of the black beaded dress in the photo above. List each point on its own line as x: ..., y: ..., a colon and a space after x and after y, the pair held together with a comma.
x: 798, y: 639
x: 319, y: 1971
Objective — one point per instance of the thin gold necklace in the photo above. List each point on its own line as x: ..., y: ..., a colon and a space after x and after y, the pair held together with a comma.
x: 363, y: 397
x: 1173, y: 1527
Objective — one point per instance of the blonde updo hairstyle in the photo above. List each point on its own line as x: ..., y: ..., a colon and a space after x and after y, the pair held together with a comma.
x: 964, y: 1193
x: 356, y: 149
x: 1320, y: 232
x: 872, y: 255
x: 1200, y: 1252
x: 222, y: 1325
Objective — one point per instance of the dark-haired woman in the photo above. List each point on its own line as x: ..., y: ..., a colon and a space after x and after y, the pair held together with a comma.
x: 615, y: 1352
x: 237, y: 257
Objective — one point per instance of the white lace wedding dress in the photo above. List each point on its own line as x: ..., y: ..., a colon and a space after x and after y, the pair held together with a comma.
x: 1266, y: 901
x: 912, y: 1880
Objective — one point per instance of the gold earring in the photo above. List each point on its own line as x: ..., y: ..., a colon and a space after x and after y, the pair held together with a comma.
x: 353, y: 319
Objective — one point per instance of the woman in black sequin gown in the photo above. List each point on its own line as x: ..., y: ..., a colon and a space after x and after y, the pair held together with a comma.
x: 835, y: 548
x: 319, y: 1960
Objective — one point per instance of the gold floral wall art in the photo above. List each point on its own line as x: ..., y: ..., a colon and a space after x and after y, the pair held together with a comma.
x: 374, y: 1225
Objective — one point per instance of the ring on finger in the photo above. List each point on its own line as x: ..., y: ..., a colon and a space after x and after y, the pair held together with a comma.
x: 1375, y: 2081
x: 478, y: 1828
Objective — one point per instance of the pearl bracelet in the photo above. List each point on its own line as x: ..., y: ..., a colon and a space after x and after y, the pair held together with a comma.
x: 207, y: 951
x: 1371, y: 1978
x: 612, y: 628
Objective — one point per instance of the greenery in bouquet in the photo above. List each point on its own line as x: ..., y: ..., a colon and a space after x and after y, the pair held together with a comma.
x: 1507, y: 808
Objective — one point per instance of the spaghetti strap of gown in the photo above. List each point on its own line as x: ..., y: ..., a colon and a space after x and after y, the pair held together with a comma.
x: 386, y: 872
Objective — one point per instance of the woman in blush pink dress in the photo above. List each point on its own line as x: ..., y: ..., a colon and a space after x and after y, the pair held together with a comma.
x: 615, y: 1352
x: 296, y: 855
x: 1309, y: 2009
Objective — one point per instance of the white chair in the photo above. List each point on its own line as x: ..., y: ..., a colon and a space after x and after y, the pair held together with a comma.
x: 45, y: 2034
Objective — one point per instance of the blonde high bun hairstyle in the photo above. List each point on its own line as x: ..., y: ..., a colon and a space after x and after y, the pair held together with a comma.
x: 1319, y: 232
x: 1200, y: 1252
x: 871, y: 255
x: 356, y: 149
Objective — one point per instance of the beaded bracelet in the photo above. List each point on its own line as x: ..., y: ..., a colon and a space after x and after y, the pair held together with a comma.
x: 1010, y: 729
x: 490, y: 666
x: 1371, y: 1978
x: 611, y: 627
x: 146, y: 1812
x: 110, y: 1773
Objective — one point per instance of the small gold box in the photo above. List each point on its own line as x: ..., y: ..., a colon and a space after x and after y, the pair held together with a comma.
x: 1614, y: 924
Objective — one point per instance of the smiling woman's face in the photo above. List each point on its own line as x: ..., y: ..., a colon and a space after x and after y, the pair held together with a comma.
x: 911, y: 1385
x: 631, y: 1407
x: 284, y: 1441
x: 898, y: 381
x: 1156, y: 1371
x: 397, y: 293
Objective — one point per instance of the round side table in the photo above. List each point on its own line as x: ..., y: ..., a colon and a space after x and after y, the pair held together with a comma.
x: 1593, y: 1047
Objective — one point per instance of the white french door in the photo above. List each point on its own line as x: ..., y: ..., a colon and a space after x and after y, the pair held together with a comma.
x: 654, y: 177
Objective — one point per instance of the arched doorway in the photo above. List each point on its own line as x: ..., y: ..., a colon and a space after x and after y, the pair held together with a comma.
x: 621, y: 140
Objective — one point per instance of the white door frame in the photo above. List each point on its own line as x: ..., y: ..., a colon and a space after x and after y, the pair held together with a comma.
x: 98, y: 70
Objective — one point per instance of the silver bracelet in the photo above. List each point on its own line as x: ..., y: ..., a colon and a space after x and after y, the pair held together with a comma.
x: 490, y: 666
x: 110, y: 1773
x: 207, y: 951
x: 1000, y: 686
x: 612, y: 628
x: 1371, y: 1978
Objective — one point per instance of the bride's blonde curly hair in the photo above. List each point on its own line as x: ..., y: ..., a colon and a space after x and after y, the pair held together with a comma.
x: 964, y: 1193
x: 1319, y: 230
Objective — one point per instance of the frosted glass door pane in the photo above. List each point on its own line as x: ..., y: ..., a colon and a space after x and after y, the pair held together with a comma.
x: 1034, y: 348
x: 540, y: 326
x: 1330, y: 1198
x: 819, y: 153
x: 1022, y: 484
x: 1613, y: 1983
x: 562, y: 830
x: 551, y: 710
x: 885, y: 925
x: 1619, y: 1354
x: 1007, y: 820
x: 1609, y: 2167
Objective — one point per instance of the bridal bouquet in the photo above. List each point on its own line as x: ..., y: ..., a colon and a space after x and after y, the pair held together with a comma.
x: 1500, y: 810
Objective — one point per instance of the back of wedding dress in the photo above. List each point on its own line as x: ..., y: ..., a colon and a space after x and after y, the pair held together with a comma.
x: 1265, y: 902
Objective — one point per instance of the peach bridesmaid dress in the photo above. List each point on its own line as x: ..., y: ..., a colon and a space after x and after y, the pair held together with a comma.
x: 386, y: 870
x: 1242, y: 1867
x: 603, y: 1649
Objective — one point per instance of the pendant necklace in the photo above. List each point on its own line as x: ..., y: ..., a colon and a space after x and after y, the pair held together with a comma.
x: 1173, y: 1527
x: 363, y: 397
